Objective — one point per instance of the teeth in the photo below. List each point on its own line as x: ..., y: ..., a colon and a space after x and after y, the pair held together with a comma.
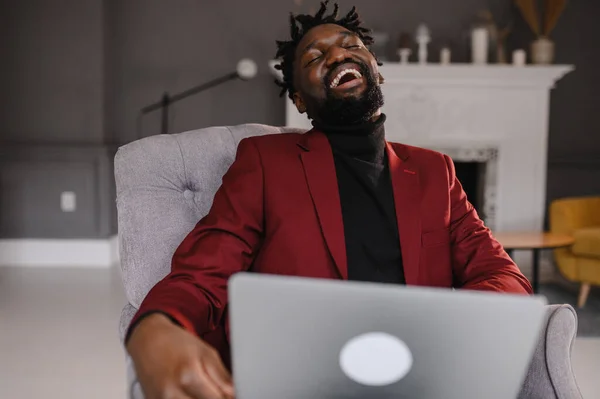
x: 340, y: 75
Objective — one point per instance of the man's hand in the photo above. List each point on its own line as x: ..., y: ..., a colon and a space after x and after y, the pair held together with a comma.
x: 172, y: 363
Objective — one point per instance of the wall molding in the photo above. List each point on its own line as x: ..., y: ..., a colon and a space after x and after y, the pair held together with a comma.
x: 87, y: 171
x: 79, y: 253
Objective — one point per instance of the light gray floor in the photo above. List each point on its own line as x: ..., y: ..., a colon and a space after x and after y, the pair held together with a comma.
x: 59, y: 336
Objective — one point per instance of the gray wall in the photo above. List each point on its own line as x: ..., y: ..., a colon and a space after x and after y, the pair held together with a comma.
x: 52, y: 76
x: 574, y: 145
x: 52, y: 133
x: 76, y: 72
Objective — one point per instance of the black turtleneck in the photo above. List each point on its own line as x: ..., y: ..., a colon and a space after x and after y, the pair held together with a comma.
x: 367, y: 200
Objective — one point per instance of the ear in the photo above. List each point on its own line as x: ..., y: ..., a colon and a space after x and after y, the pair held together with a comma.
x: 299, y: 103
x: 381, y: 79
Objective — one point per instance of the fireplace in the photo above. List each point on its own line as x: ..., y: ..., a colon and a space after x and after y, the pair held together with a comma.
x: 471, y: 175
x: 476, y: 169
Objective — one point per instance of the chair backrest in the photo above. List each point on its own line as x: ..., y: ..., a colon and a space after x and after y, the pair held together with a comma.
x: 165, y: 185
x: 569, y: 214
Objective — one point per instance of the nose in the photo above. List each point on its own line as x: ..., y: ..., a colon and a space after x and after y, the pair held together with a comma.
x: 336, y: 54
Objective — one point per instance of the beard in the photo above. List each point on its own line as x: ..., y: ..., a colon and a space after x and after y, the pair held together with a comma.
x: 352, y: 110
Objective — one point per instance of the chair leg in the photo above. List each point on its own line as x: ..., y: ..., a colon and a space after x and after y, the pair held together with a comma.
x: 583, y: 294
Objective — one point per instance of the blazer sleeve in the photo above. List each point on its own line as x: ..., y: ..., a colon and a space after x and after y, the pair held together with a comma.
x: 225, y: 241
x: 479, y: 260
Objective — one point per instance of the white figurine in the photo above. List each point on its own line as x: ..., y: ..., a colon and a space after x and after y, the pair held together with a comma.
x: 423, y: 38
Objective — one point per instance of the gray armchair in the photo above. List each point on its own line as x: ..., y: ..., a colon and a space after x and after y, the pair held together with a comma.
x: 166, y: 183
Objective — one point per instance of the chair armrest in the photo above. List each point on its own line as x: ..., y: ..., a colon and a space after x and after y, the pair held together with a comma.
x: 126, y: 316
x: 550, y: 375
x: 134, y: 390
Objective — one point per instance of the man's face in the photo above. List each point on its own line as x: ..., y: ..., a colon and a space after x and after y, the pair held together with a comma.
x: 336, y: 77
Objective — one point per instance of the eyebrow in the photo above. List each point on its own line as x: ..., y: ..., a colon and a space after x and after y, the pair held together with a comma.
x: 314, y: 42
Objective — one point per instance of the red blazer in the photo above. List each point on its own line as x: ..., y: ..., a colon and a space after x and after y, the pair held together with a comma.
x: 278, y: 211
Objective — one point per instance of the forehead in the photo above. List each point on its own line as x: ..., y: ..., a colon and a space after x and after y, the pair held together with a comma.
x: 323, y: 33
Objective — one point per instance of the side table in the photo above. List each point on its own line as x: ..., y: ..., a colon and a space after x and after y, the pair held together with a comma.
x: 535, y: 242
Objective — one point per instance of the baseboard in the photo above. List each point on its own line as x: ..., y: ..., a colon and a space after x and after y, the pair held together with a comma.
x: 97, y: 253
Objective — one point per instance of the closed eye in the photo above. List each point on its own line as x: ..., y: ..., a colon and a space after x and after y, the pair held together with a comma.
x: 313, y: 60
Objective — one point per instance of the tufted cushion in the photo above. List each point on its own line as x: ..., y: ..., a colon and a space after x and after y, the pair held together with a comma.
x: 587, y: 242
x: 165, y: 185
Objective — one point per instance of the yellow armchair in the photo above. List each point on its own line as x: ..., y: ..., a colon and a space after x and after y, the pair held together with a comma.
x: 580, y: 218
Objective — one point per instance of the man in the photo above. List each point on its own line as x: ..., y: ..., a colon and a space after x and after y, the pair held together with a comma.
x: 337, y: 202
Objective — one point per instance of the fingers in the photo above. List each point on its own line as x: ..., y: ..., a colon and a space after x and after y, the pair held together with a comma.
x: 217, y: 372
x: 199, y: 385
x: 175, y: 393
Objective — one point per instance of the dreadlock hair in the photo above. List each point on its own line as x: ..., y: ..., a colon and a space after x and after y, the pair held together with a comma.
x: 299, y: 25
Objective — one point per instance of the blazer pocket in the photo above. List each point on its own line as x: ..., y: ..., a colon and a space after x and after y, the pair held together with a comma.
x: 435, y: 238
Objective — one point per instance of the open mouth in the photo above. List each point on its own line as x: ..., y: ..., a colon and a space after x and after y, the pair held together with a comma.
x: 346, y: 78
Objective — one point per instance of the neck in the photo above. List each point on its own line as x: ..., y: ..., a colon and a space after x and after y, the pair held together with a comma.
x: 365, y: 141
x: 372, y: 126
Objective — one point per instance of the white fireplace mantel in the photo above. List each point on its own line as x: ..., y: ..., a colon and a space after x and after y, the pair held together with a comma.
x: 463, y: 108
x: 469, y: 74
x: 475, y: 75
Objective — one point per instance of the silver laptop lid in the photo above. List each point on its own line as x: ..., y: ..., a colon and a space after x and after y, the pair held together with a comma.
x: 308, y: 338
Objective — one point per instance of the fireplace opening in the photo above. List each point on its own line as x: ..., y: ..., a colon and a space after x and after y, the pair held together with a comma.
x: 472, y: 178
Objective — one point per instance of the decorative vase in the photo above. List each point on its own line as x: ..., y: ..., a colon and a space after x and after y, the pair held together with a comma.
x: 445, y: 56
x: 404, y: 54
x: 519, y: 57
x: 479, y: 45
x: 542, y: 51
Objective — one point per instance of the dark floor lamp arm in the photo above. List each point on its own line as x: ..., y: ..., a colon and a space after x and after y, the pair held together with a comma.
x: 167, y: 100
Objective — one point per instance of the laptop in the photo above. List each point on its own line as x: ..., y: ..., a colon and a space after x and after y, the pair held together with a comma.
x: 308, y: 338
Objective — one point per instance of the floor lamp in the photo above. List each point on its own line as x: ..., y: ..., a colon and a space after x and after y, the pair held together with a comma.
x: 246, y: 70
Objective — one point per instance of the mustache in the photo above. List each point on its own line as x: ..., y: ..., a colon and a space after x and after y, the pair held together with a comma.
x: 362, y: 67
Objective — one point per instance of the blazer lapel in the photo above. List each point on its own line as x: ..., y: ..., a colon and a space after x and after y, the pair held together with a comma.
x: 319, y: 169
x: 407, y: 196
